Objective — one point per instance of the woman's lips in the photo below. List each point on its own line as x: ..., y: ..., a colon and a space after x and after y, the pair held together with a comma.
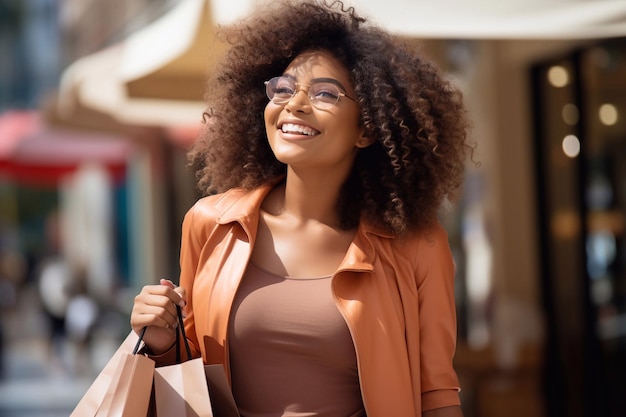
x: 298, y: 129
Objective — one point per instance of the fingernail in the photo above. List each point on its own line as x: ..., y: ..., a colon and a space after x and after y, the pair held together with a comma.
x: 182, y: 303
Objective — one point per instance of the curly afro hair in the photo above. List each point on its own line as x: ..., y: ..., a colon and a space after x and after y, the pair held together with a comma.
x: 417, y: 118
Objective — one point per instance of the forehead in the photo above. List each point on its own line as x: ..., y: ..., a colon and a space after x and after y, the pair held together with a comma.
x: 318, y: 64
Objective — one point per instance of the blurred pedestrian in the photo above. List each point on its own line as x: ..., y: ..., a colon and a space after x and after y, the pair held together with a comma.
x: 55, y: 289
x: 81, y: 318
x: 55, y: 283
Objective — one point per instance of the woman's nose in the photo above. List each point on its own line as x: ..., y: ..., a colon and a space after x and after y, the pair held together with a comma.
x: 300, y: 100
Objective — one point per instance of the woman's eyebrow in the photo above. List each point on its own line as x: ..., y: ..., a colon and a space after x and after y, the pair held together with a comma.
x: 320, y: 80
x: 330, y: 80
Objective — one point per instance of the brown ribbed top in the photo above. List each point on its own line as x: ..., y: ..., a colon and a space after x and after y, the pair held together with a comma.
x: 291, y: 353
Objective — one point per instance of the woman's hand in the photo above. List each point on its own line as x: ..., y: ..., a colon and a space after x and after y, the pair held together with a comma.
x: 155, y: 307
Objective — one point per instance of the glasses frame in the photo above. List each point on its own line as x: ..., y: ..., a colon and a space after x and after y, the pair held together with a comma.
x: 300, y: 86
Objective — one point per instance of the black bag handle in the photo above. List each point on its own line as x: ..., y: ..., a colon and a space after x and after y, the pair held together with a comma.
x: 141, y: 335
x: 181, y: 326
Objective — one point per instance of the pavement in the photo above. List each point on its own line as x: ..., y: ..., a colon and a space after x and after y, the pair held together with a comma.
x: 38, y: 380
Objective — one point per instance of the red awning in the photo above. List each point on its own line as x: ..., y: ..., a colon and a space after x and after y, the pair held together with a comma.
x: 31, y: 152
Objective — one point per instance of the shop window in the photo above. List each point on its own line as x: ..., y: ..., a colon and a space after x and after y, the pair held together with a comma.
x: 580, y: 115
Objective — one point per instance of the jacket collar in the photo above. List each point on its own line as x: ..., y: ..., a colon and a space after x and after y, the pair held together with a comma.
x: 242, y: 206
x: 239, y: 205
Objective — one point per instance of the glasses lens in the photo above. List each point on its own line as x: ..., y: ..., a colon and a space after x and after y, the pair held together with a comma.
x: 280, y: 89
x: 323, y: 94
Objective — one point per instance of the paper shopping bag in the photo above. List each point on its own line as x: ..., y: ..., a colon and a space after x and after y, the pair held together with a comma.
x: 91, y: 400
x: 222, y: 401
x: 181, y: 390
x: 129, y: 393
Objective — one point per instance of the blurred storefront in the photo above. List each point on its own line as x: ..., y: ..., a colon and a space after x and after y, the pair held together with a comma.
x: 549, y: 115
x: 580, y: 116
x: 80, y: 176
x: 154, y: 96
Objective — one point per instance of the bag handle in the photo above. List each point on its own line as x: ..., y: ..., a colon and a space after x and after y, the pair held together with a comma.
x: 181, y: 326
x: 141, y: 335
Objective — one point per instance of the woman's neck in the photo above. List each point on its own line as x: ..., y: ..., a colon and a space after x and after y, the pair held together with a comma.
x: 305, y: 198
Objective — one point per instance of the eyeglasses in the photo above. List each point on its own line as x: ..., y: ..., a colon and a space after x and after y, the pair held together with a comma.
x: 323, y: 93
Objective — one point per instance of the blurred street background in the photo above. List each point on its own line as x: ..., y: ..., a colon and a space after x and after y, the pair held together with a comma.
x: 43, y: 377
x: 101, y: 100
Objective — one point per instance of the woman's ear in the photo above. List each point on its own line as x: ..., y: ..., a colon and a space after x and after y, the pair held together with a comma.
x: 363, y: 141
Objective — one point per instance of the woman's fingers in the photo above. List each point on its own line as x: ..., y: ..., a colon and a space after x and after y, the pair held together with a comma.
x: 153, y: 306
x: 183, y: 296
x: 181, y: 300
x: 155, y: 314
x: 167, y: 283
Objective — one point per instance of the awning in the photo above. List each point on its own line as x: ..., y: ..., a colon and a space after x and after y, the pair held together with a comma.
x: 479, y: 19
x: 153, y: 78
x: 489, y: 19
x: 31, y: 152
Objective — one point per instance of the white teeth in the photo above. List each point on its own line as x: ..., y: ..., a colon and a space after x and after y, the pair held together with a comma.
x: 299, y: 129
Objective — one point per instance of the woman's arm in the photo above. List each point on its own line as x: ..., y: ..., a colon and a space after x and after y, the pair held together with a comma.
x: 435, y: 272
x: 453, y: 411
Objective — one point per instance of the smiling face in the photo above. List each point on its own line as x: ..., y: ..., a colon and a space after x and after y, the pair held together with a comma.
x: 302, y: 135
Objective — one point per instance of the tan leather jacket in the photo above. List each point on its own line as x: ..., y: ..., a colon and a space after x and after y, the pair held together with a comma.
x: 396, y: 296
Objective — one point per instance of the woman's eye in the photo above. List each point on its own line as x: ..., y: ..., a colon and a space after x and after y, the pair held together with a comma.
x: 326, y: 93
x: 283, y: 90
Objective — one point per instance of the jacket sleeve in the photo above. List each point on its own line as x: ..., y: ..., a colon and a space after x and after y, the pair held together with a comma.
x: 437, y: 311
x: 191, y: 246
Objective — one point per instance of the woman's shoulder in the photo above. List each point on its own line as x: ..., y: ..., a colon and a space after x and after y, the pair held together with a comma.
x: 425, y: 245
x: 215, y: 204
x: 432, y: 235
x: 208, y: 213
x: 235, y: 204
x: 218, y: 200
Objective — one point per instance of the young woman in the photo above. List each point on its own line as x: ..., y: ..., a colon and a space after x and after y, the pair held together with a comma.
x: 316, y: 270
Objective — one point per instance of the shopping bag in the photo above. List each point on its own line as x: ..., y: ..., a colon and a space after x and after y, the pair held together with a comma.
x: 222, y: 401
x: 123, y: 387
x: 130, y: 389
x: 181, y: 390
